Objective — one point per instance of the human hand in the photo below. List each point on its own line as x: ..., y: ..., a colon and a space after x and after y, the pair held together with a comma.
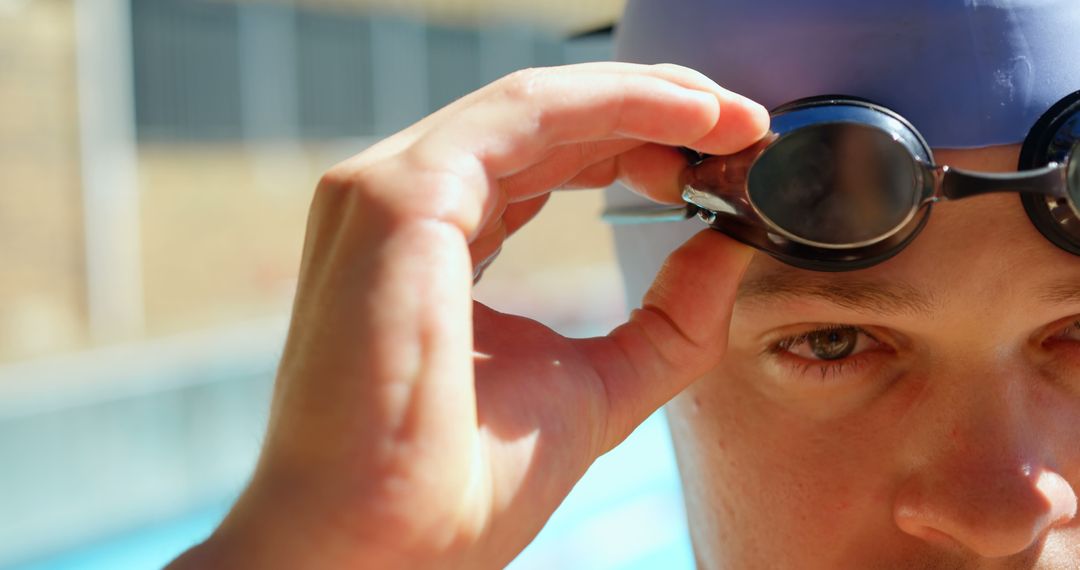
x: 412, y: 427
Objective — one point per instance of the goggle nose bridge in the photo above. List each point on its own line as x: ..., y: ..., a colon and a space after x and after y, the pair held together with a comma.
x: 955, y: 184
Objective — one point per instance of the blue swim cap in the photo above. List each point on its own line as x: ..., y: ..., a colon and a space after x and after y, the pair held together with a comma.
x: 966, y: 73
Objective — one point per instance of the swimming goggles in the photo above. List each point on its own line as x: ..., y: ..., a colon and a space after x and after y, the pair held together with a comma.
x: 841, y: 183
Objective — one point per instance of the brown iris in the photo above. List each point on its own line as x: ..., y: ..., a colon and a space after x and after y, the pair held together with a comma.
x: 833, y: 344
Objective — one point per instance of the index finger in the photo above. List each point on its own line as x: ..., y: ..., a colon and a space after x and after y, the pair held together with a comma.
x: 512, y: 124
x: 657, y: 104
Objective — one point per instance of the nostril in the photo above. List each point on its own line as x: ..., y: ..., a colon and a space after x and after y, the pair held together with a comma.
x: 909, y: 522
x: 982, y: 536
x: 992, y: 516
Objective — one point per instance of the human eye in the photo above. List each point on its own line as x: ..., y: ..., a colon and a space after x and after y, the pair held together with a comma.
x: 829, y: 351
x: 1061, y: 343
x: 1071, y: 332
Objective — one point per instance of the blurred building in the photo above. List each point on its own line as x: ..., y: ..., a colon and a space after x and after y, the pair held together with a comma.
x: 235, y: 110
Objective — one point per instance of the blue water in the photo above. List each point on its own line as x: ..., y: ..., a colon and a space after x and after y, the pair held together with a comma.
x: 626, y: 514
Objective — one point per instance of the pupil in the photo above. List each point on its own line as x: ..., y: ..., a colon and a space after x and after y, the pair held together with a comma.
x: 833, y: 344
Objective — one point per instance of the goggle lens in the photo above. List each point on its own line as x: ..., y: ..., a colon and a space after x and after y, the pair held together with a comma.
x: 836, y: 185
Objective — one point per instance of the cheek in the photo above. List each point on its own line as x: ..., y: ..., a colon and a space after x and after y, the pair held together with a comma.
x: 759, y: 473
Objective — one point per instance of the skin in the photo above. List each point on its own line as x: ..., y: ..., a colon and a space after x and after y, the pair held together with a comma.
x: 414, y: 428
x: 410, y: 426
x: 949, y: 443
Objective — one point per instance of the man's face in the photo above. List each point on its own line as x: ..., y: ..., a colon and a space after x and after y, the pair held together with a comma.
x: 921, y: 413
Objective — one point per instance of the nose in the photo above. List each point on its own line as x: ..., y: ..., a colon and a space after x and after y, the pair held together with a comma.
x: 991, y: 513
x: 985, y: 476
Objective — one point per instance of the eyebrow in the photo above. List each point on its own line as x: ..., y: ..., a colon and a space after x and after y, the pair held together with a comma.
x: 865, y: 296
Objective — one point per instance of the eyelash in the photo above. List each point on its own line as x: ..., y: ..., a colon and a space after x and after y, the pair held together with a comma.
x: 1061, y: 334
x: 1074, y: 326
x: 826, y: 369
x: 850, y: 365
x: 833, y: 369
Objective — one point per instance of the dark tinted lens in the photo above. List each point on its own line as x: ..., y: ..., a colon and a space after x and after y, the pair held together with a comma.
x: 839, y: 183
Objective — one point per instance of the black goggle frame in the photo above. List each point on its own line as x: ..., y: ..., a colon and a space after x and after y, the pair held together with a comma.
x: 1044, y: 181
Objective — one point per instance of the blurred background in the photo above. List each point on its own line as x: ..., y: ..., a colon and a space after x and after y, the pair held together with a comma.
x: 156, y: 163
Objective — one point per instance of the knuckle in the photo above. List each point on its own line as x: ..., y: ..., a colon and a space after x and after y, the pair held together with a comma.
x: 345, y: 180
x: 523, y: 84
x: 399, y: 189
x: 674, y: 67
x: 346, y: 187
x: 530, y: 92
x: 336, y: 179
x: 367, y: 171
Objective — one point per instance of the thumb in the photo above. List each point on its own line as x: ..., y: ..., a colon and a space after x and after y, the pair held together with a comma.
x: 679, y: 333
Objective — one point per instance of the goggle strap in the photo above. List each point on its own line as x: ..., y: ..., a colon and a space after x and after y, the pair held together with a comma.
x: 648, y: 214
x: 955, y: 183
